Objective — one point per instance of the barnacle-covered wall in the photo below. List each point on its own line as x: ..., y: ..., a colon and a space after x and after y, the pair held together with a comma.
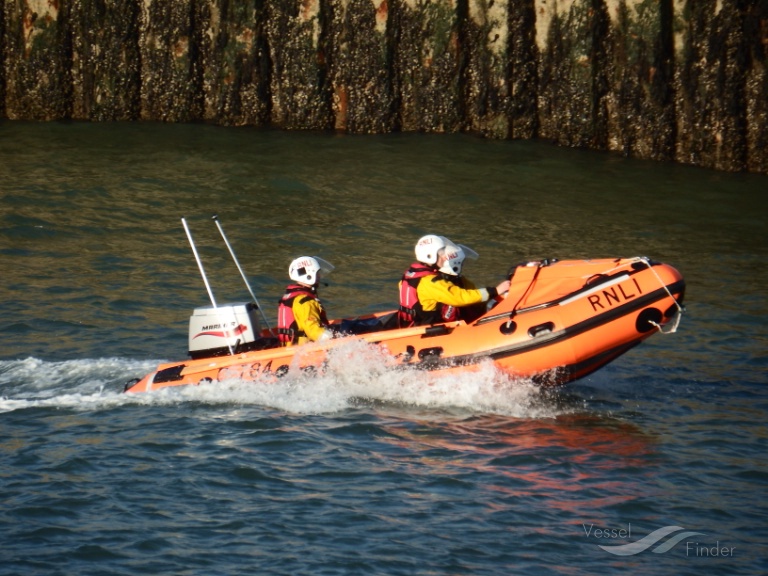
x: 677, y: 80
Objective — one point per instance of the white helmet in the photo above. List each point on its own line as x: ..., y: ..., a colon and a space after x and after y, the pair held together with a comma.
x: 455, y: 255
x: 427, y: 248
x: 306, y: 269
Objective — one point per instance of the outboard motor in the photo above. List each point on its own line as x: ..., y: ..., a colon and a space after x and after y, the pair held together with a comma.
x: 213, y: 331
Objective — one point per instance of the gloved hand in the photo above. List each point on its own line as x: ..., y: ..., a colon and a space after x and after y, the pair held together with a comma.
x: 327, y: 334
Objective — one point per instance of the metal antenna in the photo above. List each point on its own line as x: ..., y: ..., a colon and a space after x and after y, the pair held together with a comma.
x: 205, y: 280
x: 215, y: 218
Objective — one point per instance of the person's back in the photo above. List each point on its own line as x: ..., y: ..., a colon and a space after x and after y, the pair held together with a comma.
x: 300, y: 314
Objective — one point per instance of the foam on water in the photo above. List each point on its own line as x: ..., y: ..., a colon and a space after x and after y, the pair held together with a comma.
x: 79, y: 384
x: 355, y: 374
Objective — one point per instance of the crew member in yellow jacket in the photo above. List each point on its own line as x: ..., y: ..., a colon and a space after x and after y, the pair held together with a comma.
x: 300, y: 314
x: 441, y: 294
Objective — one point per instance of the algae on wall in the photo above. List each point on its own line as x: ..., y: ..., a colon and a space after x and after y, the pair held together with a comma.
x: 38, y: 61
x: 641, y: 112
x: 722, y: 83
x: 235, y: 63
x: 681, y: 80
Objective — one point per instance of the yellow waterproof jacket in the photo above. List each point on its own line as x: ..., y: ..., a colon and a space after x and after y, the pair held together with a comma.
x: 435, y: 290
x: 309, y: 315
x: 300, y: 317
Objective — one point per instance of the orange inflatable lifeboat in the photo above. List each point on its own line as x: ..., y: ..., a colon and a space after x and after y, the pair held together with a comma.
x: 560, y: 320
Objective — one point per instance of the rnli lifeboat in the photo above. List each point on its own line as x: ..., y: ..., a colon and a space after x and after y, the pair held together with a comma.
x: 561, y: 320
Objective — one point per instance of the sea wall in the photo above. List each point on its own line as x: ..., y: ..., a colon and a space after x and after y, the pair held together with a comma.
x: 674, y: 80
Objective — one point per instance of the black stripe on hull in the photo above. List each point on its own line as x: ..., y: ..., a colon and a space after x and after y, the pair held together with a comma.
x: 581, y: 368
x: 588, y: 324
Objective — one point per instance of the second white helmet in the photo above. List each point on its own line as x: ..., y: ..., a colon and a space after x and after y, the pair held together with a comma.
x: 427, y: 248
x: 306, y: 269
x: 455, y: 254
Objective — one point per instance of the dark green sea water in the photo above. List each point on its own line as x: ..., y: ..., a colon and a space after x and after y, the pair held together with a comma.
x: 365, y: 471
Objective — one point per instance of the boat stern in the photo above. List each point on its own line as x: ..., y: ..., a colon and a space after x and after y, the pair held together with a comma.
x: 139, y: 384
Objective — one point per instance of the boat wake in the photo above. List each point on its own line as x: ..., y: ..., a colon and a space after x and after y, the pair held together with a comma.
x: 78, y: 384
x: 356, y: 375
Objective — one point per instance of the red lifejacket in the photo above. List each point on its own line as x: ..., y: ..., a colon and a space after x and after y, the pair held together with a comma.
x: 287, y: 329
x: 445, y: 312
x: 448, y: 313
x: 410, y: 310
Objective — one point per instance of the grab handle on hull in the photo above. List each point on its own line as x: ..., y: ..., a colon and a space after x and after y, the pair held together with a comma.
x: 436, y: 331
